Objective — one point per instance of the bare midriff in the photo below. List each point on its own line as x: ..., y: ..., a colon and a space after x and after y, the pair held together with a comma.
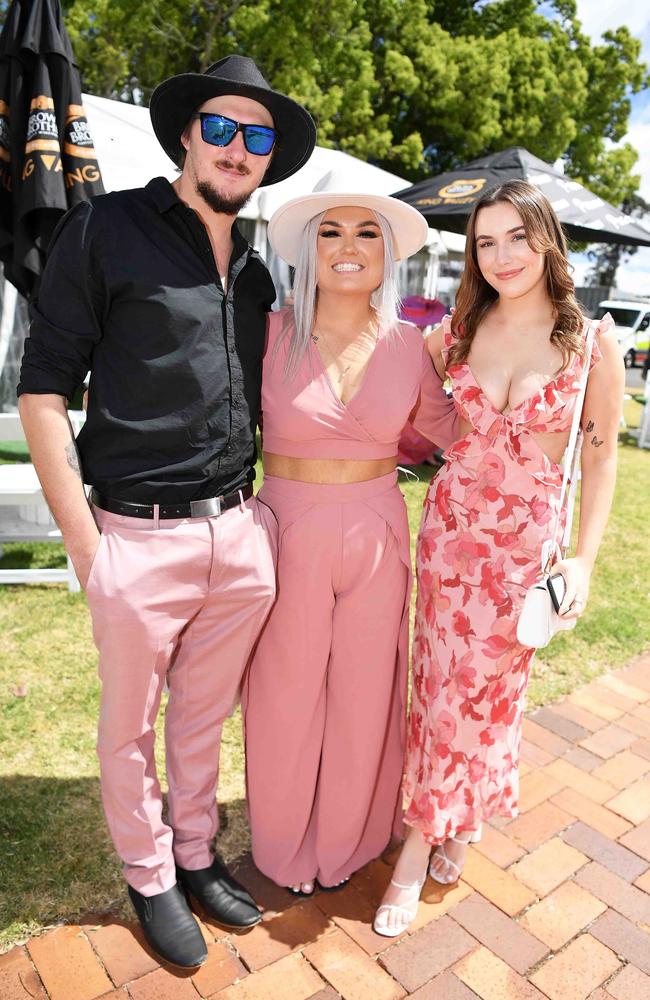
x: 327, y: 471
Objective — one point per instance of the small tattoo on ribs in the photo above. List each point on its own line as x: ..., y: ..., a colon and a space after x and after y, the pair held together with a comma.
x: 596, y: 443
x: 590, y: 426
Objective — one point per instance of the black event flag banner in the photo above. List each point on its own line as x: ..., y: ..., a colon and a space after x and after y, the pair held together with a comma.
x: 48, y: 161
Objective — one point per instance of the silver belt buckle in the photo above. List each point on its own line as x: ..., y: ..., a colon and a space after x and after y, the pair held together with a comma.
x: 206, y: 508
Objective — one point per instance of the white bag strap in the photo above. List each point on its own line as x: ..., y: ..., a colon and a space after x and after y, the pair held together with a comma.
x: 571, y: 464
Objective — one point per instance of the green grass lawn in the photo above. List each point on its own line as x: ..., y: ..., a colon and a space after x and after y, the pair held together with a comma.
x: 56, y: 860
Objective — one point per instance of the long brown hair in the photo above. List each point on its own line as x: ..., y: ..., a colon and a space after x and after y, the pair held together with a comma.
x: 544, y: 235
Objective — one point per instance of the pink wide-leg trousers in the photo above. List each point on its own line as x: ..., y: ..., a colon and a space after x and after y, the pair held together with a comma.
x: 180, y: 601
x: 324, y: 697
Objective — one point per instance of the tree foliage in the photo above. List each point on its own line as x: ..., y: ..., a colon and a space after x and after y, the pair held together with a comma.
x: 416, y: 86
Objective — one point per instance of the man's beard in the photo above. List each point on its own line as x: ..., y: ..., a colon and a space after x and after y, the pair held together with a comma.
x: 225, y: 204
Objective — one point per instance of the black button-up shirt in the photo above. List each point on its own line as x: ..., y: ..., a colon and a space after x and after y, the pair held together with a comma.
x: 131, y: 293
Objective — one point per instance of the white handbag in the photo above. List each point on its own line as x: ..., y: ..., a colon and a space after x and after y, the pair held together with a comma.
x: 538, y: 619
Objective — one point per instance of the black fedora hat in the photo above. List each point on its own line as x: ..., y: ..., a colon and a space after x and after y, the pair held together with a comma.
x: 175, y: 100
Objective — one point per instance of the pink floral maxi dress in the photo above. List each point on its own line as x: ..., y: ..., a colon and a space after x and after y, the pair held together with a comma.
x: 485, y: 518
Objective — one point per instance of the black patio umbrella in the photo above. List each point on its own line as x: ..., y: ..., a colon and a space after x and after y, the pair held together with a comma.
x: 447, y: 200
x: 47, y: 159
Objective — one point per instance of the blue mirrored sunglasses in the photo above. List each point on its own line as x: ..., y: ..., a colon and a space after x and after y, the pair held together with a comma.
x: 220, y: 131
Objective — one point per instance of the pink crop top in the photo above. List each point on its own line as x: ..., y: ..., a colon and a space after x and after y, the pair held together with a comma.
x: 302, y: 417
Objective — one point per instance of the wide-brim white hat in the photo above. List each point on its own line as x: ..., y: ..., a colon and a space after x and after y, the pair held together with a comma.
x: 334, y: 190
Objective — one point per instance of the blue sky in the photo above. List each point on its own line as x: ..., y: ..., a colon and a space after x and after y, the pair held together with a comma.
x: 598, y: 16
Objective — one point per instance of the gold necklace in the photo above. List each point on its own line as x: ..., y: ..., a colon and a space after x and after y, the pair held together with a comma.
x: 343, y: 371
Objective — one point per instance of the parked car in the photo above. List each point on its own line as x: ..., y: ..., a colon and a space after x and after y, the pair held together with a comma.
x: 632, y: 322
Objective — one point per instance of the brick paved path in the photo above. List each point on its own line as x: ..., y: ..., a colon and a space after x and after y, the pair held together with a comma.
x: 554, y: 904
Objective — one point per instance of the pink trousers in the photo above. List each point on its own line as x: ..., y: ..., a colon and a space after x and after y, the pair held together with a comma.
x: 324, y: 698
x: 180, y: 601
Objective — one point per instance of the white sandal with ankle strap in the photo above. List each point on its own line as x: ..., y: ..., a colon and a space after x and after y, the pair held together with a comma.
x: 453, y: 871
x: 408, y: 909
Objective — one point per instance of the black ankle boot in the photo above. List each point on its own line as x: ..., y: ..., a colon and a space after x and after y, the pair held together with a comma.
x: 170, y: 928
x: 220, y: 895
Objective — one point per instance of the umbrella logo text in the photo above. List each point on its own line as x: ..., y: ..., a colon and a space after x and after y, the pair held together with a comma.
x: 87, y: 174
x: 461, y: 189
x: 459, y: 192
x: 42, y: 130
x: 78, y: 140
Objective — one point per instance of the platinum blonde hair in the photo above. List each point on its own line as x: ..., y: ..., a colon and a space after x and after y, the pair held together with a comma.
x: 385, y: 299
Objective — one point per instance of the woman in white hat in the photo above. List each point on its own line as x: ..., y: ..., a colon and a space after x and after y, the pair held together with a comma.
x: 325, y: 696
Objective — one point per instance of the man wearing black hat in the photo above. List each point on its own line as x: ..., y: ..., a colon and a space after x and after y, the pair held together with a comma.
x: 156, y: 293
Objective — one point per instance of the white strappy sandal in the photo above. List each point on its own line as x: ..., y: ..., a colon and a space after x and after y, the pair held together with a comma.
x: 452, y: 871
x: 409, y: 909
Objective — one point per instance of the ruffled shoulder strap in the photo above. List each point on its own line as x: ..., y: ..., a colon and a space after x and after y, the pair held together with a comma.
x: 599, y: 327
x: 448, y: 337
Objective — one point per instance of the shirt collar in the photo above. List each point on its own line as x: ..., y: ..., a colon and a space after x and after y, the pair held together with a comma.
x: 162, y: 193
x: 164, y: 197
x: 240, y: 245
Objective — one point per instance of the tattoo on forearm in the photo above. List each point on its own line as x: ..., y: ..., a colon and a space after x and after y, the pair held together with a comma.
x: 596, y: 443
x: 72, y: 455
x: 590, y: 426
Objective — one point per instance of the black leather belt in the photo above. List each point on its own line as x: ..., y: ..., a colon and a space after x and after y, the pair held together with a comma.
x: 195, y: 508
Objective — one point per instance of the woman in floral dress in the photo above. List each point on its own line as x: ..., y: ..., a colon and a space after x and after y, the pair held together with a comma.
x: 513, y: 352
